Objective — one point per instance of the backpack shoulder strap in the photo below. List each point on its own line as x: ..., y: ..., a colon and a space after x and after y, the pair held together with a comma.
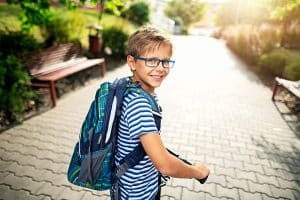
x: 155, y: 107
x: 138, y: 153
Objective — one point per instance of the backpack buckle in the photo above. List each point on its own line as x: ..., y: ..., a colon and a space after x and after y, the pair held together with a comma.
x: 121, y: 170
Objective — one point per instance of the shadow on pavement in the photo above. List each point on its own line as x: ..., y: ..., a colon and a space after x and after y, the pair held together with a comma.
x: 289, y: 117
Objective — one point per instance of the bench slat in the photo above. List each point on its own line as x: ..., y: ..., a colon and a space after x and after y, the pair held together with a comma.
x: 292, y: 86
x: 54, y: 55
x: 49, y: 65
x: 51, y: 68
x: 59, y: 74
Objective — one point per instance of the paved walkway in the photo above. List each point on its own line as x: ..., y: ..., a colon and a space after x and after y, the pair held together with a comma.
x: 215, y: 111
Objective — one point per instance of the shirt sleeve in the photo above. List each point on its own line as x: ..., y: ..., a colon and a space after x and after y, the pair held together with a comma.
x: 139, y: 117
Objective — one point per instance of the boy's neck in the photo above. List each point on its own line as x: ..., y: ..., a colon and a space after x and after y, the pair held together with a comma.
x: 132, y: 79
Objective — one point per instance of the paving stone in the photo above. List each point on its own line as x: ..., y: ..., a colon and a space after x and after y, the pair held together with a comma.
x: 208, y: 187
x: 279, y: 173
x: 237, y: 183
x: 4, y: 165
x: 296, y: 194
x: 218, y: 179
x: 225, y: 155
x: 233, y: 164
x: 22, y: 183
x: 167, y: 198
x: 261, y: 188
x: 183, y: 182
x: 243, y: 158
x: 91, y: 196
x: 282, y: 193
x: 68, y: 193
x: 187, y: 194
x: 249, y: 152
x: 254, y: 168
x: 257, y: 161
x: 227, y: 192
x: 246, y: 175
x: 287, y: 184
x: 214, y: 160
x: 225, y: 171
x: 249, y: 196
x: 3, y: 175
x: 265, y: 197
x: 172, y: 192
x: 7, y: 193
x: 272, y: 180
x: 50, y: 190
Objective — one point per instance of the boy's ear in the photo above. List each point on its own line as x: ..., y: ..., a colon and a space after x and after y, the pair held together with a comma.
x: 131, y: 62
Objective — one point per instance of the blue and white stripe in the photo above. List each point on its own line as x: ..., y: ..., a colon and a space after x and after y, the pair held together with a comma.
x: 141, y: 181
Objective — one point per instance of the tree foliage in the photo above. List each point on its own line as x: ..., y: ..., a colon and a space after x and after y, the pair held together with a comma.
x: 242, y: 12
x: 38, y: 12
x: 284, y: 10
x: 139, y: 12
x: 258, y: 11
x: 33, y: 12
x: 188, y: 11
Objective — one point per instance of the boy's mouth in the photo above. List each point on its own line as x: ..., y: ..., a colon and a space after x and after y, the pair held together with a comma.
x: 157, y: 77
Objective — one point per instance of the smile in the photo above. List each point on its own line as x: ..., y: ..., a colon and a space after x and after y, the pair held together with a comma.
x: 156, y: 77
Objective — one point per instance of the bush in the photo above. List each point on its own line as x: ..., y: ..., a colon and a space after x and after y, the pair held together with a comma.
x: 292, y: 71
x: 282, y: 62
x: 291, y: 39
x: 116, y: 39
x: 274, y: 62
x: 244, y: 41
x: 15, y: 89
x: 16, y: 43
x: 65, y: 26
x: 139, y: 13
x: 269, y: 37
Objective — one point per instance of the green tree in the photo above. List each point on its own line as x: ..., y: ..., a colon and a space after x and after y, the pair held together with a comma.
x: 33, y: 13
x: 287, y: 13
x: 38, y: 12
x: 242, y: 12
x: 283, y: 10
x: 188, y: 11
x: 139, y: 12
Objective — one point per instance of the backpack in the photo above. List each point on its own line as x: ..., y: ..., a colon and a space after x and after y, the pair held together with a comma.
x: 92, y: 164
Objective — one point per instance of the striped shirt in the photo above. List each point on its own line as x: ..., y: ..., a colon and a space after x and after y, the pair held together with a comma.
x: 141, y: 181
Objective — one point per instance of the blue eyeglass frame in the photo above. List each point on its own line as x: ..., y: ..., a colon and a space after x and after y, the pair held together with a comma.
x: 172, y: 62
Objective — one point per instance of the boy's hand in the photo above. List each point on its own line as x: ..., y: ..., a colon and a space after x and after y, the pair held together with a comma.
x: 203, y: 171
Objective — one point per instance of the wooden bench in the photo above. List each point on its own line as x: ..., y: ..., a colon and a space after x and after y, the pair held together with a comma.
x: 49, y: 65
x: 292, y: 86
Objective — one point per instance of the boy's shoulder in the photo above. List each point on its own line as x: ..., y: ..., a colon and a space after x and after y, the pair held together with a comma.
x: 134, y: 97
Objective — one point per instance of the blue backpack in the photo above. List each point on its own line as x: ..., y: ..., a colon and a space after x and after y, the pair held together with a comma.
x: 92, y: 164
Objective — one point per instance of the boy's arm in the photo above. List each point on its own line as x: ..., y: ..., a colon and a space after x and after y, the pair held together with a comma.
x: 168, y: 164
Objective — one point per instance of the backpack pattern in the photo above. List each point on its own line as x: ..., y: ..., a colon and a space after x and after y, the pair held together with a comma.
x: 92, y: 163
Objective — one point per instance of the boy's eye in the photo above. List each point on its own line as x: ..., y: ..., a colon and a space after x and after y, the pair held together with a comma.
x: 166, y: 63
x: 152, y: 61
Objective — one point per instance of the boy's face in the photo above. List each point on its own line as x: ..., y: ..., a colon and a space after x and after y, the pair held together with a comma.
x: 150, y: 77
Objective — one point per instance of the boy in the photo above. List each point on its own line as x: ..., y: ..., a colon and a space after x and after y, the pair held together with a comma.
x: 149, y: 53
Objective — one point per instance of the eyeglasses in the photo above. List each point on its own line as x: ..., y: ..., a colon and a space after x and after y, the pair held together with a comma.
x: 154, y: 62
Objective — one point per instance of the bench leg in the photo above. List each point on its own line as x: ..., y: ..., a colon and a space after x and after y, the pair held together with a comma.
x: 53, y: 93
x: 275, y: 90
x: 103, y: 68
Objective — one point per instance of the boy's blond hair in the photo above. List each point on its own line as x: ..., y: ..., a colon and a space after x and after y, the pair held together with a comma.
x: 145, y: 39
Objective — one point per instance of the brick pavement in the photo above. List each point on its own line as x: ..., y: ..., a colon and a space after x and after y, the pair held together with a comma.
x: 215, y: 111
